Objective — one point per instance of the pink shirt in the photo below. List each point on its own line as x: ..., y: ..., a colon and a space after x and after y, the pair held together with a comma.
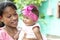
x: 4, y: 35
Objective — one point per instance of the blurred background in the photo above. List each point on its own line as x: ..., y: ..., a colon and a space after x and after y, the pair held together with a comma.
x: 49, y: 18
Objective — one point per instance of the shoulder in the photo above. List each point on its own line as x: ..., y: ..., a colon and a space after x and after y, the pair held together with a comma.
x: 37, y: 24
x: 2, y: 33
x: 1, y: 30
x: 36, y: 28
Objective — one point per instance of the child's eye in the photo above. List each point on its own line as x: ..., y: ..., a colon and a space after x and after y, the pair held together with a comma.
x: 27, y: 18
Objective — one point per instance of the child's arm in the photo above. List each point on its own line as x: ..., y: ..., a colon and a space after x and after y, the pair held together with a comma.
x: 36, y: 30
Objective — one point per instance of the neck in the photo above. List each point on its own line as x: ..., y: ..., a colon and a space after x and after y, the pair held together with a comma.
x: 11, y: 30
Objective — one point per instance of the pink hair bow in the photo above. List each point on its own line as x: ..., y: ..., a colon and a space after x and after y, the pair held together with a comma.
x: 27, y: 12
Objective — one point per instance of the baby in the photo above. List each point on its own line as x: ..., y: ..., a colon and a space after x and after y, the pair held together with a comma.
x: 30, y: 25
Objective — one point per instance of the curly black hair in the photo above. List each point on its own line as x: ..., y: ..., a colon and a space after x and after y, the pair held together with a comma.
x: 3, y: 5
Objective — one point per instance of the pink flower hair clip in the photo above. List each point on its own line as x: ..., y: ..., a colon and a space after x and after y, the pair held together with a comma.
x: 27, y: 12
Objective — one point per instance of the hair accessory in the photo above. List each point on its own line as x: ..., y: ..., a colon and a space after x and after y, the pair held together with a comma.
x: 27, y: 12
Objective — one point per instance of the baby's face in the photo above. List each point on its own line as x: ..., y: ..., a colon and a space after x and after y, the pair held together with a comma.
x: 10, y: 17
x: 28, y: 21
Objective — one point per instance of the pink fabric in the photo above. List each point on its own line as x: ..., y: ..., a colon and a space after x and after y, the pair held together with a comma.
x: 4, y: 35
x: 27, y: 12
